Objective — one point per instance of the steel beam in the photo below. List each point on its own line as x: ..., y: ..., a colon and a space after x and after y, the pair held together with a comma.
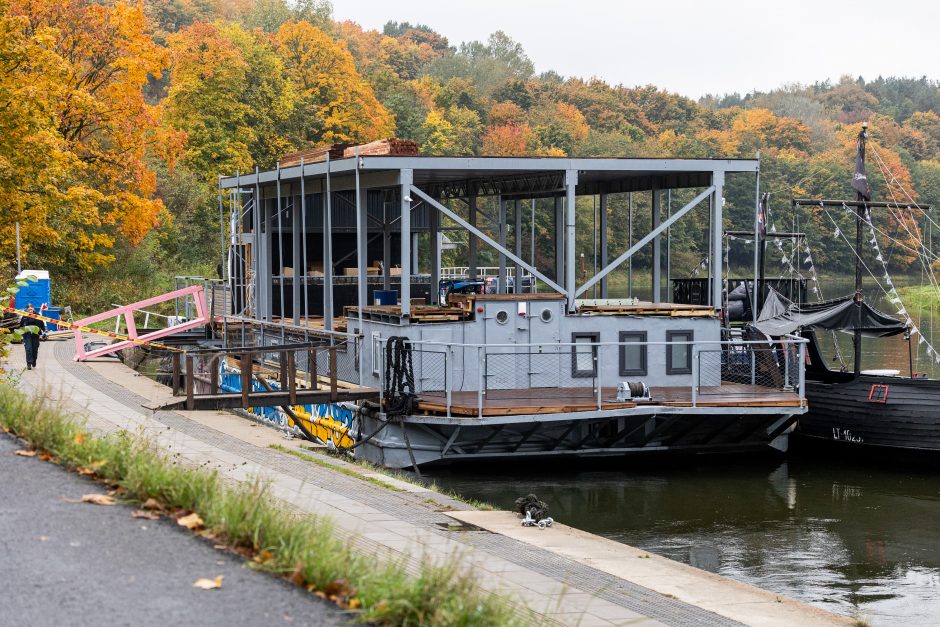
x: 517, y: 244
x: 718, y: 182
x: 559, y: 240
x: 327, y: 253
x: 474, y: 244
x: 299, y: 274
x: 434, y: 241
x: 406, y: 177
x: 486, y: 238
x: 645, y: 240
x: 602, y: 227
x: 501, y: 229
x: 362, y: 243
x: 571, y: 182
x: 657, y: 245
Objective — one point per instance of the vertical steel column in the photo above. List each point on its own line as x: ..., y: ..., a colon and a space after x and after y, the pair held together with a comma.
x: 303, y: 229
x: 296, y: 242
x: 517, y: 244
x: 668, y: 247
x: 474, y: 243
x: 224, y: 264
x: 571, y: 182
x: 501, y: 226
x: 362, y: 243
x: 603, y: 230
x: 327, y: 252
x: 718, y: 180
x: 758, y: 242
x: 657, y: 245
x: 559, y: 241
x: 386, y: 248
x: 434, y: 241
x: 630, y: 245
x: 405, y: 178
x: 280, y: 242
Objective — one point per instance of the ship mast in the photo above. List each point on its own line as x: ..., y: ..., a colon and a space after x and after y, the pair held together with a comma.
x: 862, y: 196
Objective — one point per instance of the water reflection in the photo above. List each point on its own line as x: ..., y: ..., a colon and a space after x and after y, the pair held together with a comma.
x: 847, y: 538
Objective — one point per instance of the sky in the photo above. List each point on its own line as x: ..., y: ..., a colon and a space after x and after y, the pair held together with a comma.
x: 689, y: 47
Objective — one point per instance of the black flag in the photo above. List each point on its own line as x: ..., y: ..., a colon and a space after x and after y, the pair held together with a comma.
x: 860, y: 180
x: 762, y: 217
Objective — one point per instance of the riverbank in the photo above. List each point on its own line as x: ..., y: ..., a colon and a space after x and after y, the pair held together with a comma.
x: 406, y: 524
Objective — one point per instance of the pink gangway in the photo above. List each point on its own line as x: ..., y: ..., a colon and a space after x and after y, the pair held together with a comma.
x: 202, y: 318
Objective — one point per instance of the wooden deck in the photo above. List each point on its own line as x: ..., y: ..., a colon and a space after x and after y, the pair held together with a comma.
x: 562, y: 400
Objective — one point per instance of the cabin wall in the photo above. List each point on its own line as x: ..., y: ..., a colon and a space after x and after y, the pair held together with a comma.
x: 502, y: 325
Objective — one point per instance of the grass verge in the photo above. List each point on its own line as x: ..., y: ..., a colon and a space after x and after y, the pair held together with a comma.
x: 303, y: 548
x: 919, y: 296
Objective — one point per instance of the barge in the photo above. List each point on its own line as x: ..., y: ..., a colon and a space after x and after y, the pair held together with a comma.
x: 349, y: 253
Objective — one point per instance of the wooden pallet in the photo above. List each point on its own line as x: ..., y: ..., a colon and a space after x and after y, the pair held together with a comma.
x: 391, y: 146
x: 419, y: 313
x: 314, y: 155
x: 650, y: 309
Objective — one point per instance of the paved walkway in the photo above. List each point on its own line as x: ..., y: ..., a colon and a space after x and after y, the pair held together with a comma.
x: 409, y: 523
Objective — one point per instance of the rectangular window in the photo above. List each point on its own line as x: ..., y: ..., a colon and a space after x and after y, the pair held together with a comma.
x: 377, y: 355
x: 584, y: 354
x: 633, y: 353
x: 679, y: 356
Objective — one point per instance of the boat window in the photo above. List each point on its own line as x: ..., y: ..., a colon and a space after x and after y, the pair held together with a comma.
x: 584, y: 354
x: 679, y: 356
x: 547, y: 315
x: 502, y: 316
x: 633, y: 353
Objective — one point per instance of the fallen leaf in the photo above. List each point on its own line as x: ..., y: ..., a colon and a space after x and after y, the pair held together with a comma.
x: 6, y: 429
x: 264, y: 556
x: 209, y: 584
x: 297, y: 577
x: 354, y: 603
x: 193, y: 521
x: 152, y: 503
x: 79, y: 438
x: 25, y: 453
x: 46, y: 457
x: 85, y: 471
x: 139, y: 513
x: 219, y: 546
x: 97, y: 499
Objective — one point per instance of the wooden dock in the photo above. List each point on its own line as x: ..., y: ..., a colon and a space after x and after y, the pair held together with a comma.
x: 562, y: 400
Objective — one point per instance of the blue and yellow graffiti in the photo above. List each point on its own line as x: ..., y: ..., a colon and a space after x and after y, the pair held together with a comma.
x: 329, y: 423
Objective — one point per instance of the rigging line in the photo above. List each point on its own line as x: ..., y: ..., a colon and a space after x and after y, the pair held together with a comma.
x: 885, y: 169
x: 896, y: 242
x: 855, y: 252
x: 920, y: 257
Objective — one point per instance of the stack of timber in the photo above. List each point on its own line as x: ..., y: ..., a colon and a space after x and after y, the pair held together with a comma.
x: 648, y: 309
x: 314, y: 155
x: 419, y: 313
x: 391, y: 146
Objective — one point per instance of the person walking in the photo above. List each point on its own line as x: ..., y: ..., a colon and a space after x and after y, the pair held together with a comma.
x: 31, y: 339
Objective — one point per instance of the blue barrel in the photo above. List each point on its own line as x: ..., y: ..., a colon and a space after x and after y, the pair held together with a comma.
x: 385, y: 297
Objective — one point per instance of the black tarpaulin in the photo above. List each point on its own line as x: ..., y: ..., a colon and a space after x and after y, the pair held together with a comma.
x: 780, y: 316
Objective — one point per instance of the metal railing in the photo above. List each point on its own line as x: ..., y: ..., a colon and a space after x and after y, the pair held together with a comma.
x: 588, y: 373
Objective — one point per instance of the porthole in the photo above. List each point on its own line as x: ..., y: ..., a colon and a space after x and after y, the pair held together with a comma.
x: 546, y: 315
x: 502, y: 316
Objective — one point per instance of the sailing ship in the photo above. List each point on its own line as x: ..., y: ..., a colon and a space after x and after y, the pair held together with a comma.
x: 860, y: 410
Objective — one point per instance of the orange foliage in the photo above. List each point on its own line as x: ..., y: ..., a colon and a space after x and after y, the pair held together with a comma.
x: 507, y: 140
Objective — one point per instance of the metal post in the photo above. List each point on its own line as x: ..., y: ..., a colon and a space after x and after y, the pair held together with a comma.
x: 559, y: 241
x: 386, y: 248
x: 571, y: 181
x: 668, y: 247
x: 19, y: 262
x: 718, y: 180
x: 481, y: 374
x: 597, y: 375
x: 758, y: 242
x: 405, y: 179
x: 224, y: 265
x: 603, y: 233
x: 630, y: 245
x: 303, y: 227
x: 474, y: 245
x: 517, y: 242
x: 449, y: 375
x: 501, y: 226
x: 327, y: 252
x: 695, y: 372
x: 802, y: 372
x: 299, y: 273
x: 532, y: 241
x: 434, y: 242
x: 362, y: 246
x: 280, y: 241
x: 657, y: 245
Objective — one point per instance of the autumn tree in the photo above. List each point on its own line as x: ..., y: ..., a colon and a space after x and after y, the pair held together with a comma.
x: 78, y: 135
x: 335, y: 104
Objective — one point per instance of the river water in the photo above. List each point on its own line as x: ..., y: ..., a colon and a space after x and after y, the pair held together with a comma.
x: 858, y: 539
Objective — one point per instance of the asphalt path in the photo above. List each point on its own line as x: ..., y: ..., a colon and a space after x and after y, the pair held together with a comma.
x: 66, y: 563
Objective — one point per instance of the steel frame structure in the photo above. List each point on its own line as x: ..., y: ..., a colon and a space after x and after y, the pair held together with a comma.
x: 412, y: 182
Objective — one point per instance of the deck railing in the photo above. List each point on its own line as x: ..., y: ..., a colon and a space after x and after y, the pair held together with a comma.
x: 735, y: 371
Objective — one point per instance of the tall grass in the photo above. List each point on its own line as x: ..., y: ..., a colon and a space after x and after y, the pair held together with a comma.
x: 304, y: 548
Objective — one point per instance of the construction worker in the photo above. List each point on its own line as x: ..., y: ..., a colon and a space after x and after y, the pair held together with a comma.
x: 31, y: 338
